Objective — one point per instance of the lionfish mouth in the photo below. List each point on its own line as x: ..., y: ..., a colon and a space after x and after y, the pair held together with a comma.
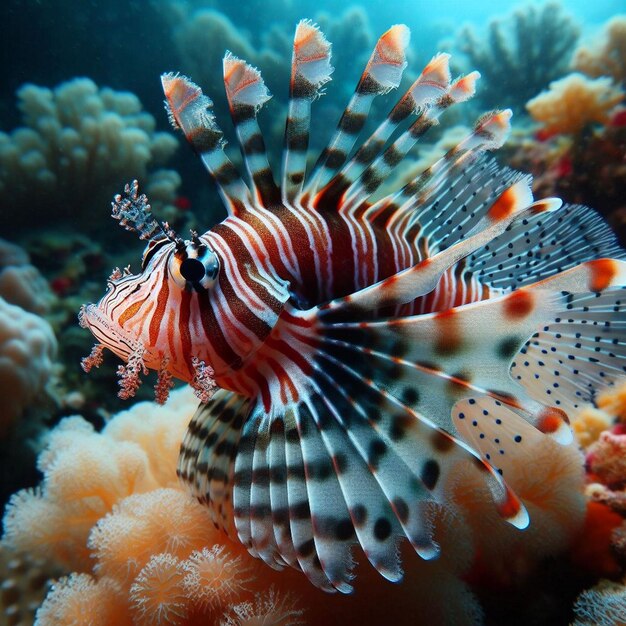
x: 108, y: 334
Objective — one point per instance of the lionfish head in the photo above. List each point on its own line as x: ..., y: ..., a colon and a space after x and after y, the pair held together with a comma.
x: 148, y: 319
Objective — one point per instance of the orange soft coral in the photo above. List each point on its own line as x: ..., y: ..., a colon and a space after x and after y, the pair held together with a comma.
x: 110, y: 508
x: 79, y: 600
x: 573, y: 103
x: 593, y: 552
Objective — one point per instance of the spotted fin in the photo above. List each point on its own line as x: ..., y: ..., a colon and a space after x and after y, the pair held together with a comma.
x: 497, y: 431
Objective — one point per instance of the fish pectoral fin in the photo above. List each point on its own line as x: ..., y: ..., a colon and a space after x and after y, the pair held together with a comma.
x: 206, y: 459
x: 330, y: 457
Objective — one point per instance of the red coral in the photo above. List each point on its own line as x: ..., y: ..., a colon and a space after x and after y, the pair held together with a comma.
x: 593, y: 551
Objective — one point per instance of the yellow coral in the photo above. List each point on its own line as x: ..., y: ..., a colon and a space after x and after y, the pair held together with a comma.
x: 588, y: 424
x: 574, y: 102
x: 613, y: 401
x: 608, y: 56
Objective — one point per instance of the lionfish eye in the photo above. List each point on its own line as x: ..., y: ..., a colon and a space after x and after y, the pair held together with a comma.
x: 192, y: 270
x: 197, y: 266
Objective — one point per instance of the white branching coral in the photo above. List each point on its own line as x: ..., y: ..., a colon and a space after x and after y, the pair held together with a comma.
x: 602, y: 605
x: 27, y: 350
x: 78, y: 141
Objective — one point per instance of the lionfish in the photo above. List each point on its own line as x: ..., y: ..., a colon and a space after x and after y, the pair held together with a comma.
x: 351, y: 353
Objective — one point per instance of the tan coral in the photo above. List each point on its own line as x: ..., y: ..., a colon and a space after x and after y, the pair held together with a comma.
x: 27, y: 352
x: 607, y: 56
x: 271, y: 609
x: 77, y: 142
x: 24, y: 582
x: 607, y: 458
x: 573, y: 103
x: 157, y: 595
x: 163, y: 520
x: 80, y: 600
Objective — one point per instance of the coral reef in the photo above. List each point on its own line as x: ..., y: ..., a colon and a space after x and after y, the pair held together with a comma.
x: 522, y: 53
x: 25, y: 582
x: 572, y: 103
x: 593, y: 172
x: 110, y: 509
x: 602, y: 605
x: 27, y: 350
x: 607, y: 56
x: 603, y: 552
x: 578, y: 153
x: 77, y: 145
x: 20, y: 282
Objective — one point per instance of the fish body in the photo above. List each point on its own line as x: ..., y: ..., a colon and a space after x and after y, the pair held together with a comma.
x: 351, y: 353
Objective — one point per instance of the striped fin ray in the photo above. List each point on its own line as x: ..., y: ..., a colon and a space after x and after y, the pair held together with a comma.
x: 278, y: 490
x: 373, y: 176
x: 190, y: 110
x: 327, y: 505
x: 359, y: 390
x: 430, y: 87
x: 205, y: 463
x: 543, y: 245
x: 359, y: 485
x: 382, y: 73
x: 310, y: 71
x: 490, y: 132
x: 246, y: 93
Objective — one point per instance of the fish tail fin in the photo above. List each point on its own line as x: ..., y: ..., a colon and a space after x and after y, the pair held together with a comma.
x: 382, y: 73
x: 310, y: 71
x: 246, y: 93
x: 190, y: 111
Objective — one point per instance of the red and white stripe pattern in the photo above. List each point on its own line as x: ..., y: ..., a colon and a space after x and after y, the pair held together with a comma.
x: 355, y: 341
